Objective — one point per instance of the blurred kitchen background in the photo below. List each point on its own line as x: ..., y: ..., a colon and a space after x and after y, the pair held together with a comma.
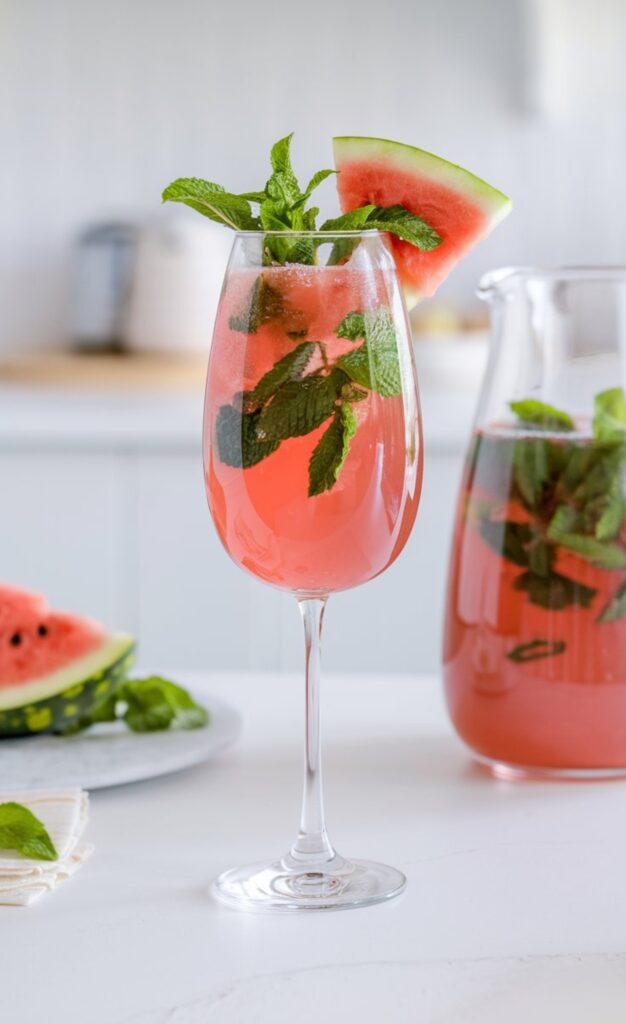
x: 106, y: 298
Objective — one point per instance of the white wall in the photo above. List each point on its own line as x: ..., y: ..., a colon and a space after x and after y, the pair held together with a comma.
x: 101, y: 104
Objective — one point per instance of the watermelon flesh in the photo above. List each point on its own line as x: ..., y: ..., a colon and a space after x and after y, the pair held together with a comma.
x: 35, y: 640
x: 462, y: 208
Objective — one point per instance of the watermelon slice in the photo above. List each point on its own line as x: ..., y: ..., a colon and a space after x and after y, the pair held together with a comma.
x: 461, y: 207
x: 54, y: 667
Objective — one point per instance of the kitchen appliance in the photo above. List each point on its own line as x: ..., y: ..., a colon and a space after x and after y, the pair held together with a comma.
x: 176, y: 285
x: 104, y: 262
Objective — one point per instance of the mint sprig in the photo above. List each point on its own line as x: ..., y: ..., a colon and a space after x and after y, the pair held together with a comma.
x: 22, y: 831
x: 156, y: 703
x: 282, y: 208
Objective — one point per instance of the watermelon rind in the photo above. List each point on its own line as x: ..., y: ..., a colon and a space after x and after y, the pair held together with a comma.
x: 55, y: 702
x: 495, y: 204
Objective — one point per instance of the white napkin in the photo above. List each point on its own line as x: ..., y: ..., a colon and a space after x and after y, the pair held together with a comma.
x: 64, y: 814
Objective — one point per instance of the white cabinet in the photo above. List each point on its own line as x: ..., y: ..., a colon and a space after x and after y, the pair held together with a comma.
x: 62, y: 517
x: 195, y: 607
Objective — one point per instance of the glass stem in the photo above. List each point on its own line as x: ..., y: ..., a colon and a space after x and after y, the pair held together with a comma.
x: 312, y: 845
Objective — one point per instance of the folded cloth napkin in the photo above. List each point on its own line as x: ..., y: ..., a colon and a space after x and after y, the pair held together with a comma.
x: 64, y: 814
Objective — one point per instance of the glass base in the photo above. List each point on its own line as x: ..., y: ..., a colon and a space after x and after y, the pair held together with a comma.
x: 284, y: 885
x: 518, y: 772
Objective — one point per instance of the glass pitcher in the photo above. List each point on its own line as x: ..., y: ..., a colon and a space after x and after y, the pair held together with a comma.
x: 535, y: 634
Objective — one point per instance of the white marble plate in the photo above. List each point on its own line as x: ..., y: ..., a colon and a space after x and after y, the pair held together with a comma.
x: 112, y: 755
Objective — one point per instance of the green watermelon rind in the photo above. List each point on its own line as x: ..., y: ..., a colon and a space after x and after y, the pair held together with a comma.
x: 358, y: 149
x: 54, y: 702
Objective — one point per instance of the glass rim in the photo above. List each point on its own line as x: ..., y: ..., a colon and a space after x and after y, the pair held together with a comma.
x: 327, y: 235
x: 598, y: 272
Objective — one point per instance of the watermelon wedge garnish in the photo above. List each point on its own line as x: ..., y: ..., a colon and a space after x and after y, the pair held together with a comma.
x: 462, y: 208
x: 55, y: 667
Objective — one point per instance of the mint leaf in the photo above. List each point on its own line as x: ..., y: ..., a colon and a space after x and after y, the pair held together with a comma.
x: 375, y: 364
x: 615, y: 607
x: 263, y: 305
x: 280, y: 157
x: 22, y: 831
x: 554, y: 591
x: 213, y: 202
x: 331, y: 451
x: 612, y: 511
x: 405, y: 225
x: 508, y: 539
x: 300, y: 406
x: 350, y: 393
x: 395, y: 219
x: 282, y: 188
x: 603, y: 554
x: 253, y: 197
x: 156, y: 703
x: 352, y: 327
x: 237, y: 440
x: 541, y: 415
x: 609, y: 421
x: 576, y: 467
x: 309, y: 218
x: 531, y: 469
x: 535, y: 649
x: 315, y: 181
x: 353, y: 220
x: 290, y: 367
x: 540, y: 557
x: 602, y: 469
x: 273, y: 216
x: 303, y: 250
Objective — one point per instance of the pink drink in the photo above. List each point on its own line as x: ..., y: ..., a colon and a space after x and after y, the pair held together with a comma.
x: 531, y: 683
x: 264, y: 516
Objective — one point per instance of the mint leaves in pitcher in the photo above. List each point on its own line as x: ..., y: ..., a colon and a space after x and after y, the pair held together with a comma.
x: 565, y: 506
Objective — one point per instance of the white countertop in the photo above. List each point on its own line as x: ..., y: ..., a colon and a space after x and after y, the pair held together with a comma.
x: 54, y: 419
x: 514, y: 909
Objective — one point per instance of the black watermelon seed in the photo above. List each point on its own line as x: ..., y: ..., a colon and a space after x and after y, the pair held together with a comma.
x: 42, y: 630
x: 16, y: 640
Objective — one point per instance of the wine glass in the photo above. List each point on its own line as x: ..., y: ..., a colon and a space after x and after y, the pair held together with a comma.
x: 313, y: 469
